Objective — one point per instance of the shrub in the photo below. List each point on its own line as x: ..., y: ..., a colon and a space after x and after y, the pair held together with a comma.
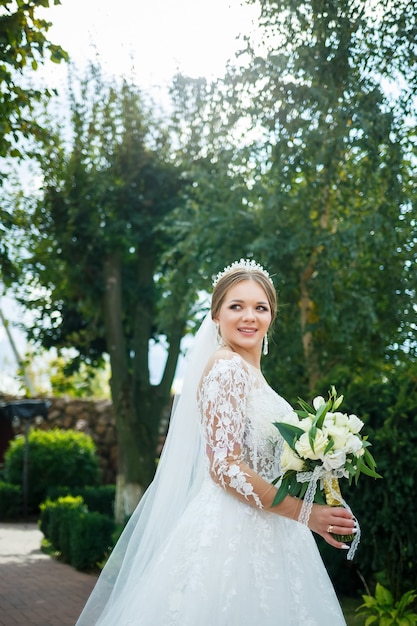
x: 382, y: 609
x: 10, y: 501
x: 99, y: 499
x: 91, y: 540
x: 56, y: 519
x: 82, y: 538
x: 55, y: 457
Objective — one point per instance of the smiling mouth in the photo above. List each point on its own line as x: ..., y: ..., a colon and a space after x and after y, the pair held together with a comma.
x: 248, y: 331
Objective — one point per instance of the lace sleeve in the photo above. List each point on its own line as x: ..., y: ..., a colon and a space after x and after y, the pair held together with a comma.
x: 223, y: 397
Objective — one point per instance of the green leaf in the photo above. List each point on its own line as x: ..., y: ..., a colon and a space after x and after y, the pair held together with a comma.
x: 369, y: 459
x: 383, y: 595
x: 289, y: 432
x: 294, y: 487
x: 312, y: 436
x: 337, y: 402
x: 306, y: 407
x: 364, y: 469
x: 321, y: 413
x: 281, y: 493
x: 329, y: 446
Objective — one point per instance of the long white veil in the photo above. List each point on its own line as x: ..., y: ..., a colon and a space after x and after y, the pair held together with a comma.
x: 177, y: 479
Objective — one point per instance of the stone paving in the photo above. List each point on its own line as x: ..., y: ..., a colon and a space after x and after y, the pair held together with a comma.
x: 36, y: 590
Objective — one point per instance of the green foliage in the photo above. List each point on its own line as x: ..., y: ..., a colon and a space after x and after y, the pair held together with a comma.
x: 334, y: 180
x: 57, y: 518
x: 112, y: 239
x: 386, y: 399
x: 91, y: 540
x: 82, y: 538
x: 23, y: 46
x: 99, y: 499
x: 55, y: 457
x: 78, y: 380
x: 23, y: 43
x: 382, y: 610
x: 100, y: 225
x: 11, y: 501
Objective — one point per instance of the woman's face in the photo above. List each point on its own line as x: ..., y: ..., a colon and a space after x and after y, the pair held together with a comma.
x: 244, y: 319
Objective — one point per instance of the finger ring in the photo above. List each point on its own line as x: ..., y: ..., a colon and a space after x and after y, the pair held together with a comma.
x: 330, y: 529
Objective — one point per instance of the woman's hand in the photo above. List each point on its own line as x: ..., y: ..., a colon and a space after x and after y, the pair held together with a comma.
x: 325, y: 520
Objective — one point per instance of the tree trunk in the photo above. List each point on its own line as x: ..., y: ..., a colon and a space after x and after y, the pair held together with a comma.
x: 307, y: 317
x: 309, y: 310
x: 138, y: 406
x: 129, y: 488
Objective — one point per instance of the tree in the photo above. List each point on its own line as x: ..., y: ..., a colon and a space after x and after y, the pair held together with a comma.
x: 334, y: 181
x: 100, y: 223
x: 23, y: 43
x: 122, y: 241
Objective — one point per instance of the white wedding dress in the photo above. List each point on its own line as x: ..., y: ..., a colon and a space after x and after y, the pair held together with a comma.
x: 228, y: 562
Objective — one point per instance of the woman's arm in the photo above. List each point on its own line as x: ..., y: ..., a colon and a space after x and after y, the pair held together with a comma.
x: 223, y: 401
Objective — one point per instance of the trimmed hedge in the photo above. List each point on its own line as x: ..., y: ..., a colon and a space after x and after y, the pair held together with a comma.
x: 82, y: 538
x: 11, y: 501
x: 100, y: 499
x: 55, y: 457
x: 91, y: 540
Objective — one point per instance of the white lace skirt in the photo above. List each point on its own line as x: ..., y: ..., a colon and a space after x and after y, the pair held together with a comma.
x: 228, y: 564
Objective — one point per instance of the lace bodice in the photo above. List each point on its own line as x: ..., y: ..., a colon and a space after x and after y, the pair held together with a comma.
x: 238, y: 409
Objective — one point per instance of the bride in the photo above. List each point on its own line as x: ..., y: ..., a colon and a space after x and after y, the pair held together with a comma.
x: 205, y: 547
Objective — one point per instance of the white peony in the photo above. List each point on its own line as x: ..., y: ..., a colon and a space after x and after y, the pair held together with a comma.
x: 290, y: 460
x: 304, y: 449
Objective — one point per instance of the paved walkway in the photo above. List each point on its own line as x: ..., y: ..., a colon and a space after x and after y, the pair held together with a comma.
x: 36, y: 590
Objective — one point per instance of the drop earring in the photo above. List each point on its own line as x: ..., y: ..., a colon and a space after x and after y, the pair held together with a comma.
x: 219, y: 339
x: 265, y: 346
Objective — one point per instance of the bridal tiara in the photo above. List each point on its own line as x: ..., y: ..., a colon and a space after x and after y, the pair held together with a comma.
x: 244, y: 264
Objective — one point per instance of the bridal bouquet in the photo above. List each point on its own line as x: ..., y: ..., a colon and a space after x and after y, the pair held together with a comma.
x: 320, y: 446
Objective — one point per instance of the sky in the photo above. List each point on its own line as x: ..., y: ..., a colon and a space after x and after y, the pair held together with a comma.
x: 149, y: 41
x: 155, y: 37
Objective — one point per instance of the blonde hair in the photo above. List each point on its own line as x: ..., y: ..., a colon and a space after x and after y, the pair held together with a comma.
x: 237, y: 275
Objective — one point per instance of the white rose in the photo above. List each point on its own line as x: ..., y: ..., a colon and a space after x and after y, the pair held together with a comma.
x: 290, y: 460
x: 355, y: 424
x: 334, y: 460
x: 329, y: 419
x: 341, y: 419
x: 304, y: 449
x: 306, y: 423
x: 339, y: 435
x: 354, y: 445
x: 318, y: 402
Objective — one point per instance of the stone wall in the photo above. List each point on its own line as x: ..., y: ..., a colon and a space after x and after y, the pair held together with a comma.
x: 95, y: 418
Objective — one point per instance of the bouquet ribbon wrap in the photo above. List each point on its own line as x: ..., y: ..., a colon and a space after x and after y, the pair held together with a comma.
x: 323, y: 476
